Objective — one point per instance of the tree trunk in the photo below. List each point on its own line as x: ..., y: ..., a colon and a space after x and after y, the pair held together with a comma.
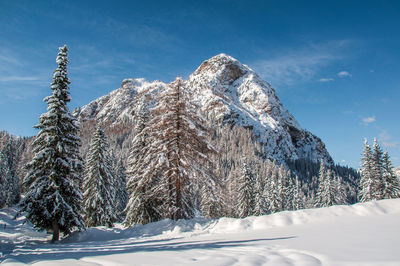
x: 56, y: 231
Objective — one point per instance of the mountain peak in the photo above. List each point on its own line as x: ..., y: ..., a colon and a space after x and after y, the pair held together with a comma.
x: 227, y: 92
x: 224, y: 68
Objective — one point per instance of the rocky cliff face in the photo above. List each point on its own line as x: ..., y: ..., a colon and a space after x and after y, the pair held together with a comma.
x: 226, y: 92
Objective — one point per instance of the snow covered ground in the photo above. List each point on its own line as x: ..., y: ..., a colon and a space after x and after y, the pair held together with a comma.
x: 362, y: 234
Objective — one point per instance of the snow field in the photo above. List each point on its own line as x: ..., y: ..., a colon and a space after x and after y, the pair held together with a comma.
x: 361, y: 234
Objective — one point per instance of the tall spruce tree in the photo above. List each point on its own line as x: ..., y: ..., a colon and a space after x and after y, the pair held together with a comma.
x: 391, y: 187
x: 53, y: 199
x: 377, y: 170
x: 367, y: 177
x: 181, y: 149
x: 143, y: 202
x: 99, y: 185
x: 175, y: 159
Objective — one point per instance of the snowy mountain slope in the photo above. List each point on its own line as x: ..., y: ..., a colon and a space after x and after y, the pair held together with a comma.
x: 361, y: 234
x: 226, y: 92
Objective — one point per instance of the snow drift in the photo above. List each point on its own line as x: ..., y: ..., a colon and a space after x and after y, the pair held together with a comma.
x: 361, y: 234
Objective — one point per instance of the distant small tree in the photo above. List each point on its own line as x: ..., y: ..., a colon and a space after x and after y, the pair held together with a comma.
x: 298, y: 195
x: 8, y: 172
x: 326, y: 189
x: 272, y: 191
x: 99, y: 186
x: 211, y: 205
x: 5, y: 176
x: 245, y: 203
x: 260, y: 204
x: 340, y: 193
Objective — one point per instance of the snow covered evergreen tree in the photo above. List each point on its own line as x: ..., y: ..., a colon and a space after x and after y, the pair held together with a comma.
x: 143, y: 203
x: 211, y: 205
x: 245, y: 204
x: 367, y: 177
x: 377, y: 171
x: 5, y: 176
x: 273, y: 191
x: 53, y: 200
x: 326, y: 192
x: 120, y: 184
x: 260, y: 204
x: 391, y: 181
x: 340, y: 193
x: 8, y: 171
x: 298, y: 195
x: 99, y: 185
x: 174, y: 160
x: 319, y: 196
x: 283, y: 186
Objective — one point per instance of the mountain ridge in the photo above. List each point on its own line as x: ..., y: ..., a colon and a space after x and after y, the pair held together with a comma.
x: 227, y: 92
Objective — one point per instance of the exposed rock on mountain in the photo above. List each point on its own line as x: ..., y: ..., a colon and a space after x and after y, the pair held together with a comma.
x: 227, y: 92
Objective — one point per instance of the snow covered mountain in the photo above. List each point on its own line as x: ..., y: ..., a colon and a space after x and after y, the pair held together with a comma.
x: 226, y: 91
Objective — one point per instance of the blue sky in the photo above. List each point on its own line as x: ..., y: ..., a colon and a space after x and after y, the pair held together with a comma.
x: 334, y: 64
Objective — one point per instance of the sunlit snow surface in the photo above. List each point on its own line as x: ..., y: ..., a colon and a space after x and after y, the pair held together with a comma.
x: 362, y: 234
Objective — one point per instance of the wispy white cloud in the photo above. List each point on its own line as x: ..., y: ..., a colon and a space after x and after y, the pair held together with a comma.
x: 387, y: 140
x: 17, y: 72
x: 289, y: 67
x: 348, y: 112
x: 368, y: 120
x: 344, y: 74
x: 17, y: 78
x: 326, y: 79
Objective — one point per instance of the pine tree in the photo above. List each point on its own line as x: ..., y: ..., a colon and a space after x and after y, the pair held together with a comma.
x: 175, y: 161
x: 298, y: 195
x: 319, y: 197
x: 53, y: 198
x: 326, y: 191
x: 260, y: 204
x: 99, y: 186
x: 273, y: 191
x: 211, y: 206
x: 367, y: 177
x: 391, y: 181
x: 245, y: 203
x: 377, y: 171
x: 121, y: 193
x: 5, y: 176
x: 143, y: 203
x: 283, y: 185
x: 11, y: 189
x: 340, y: 193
